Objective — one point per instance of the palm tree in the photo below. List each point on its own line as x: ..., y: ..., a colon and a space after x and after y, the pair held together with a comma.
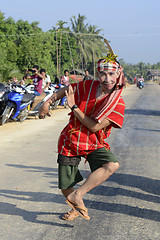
x: 94, y: 45
x: 79, y: 28
x: 10, y: 74
x: 90, y: 43
x: 60, y: 25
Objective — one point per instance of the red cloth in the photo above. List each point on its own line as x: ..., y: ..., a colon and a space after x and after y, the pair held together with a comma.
x: 76, y: 139
x: 37, y: 82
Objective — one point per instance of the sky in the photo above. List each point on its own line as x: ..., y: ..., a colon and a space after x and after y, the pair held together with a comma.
x: 131, y: 26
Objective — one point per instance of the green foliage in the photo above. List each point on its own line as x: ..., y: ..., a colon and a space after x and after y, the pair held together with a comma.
x: 136, y: 70
x: 23, y: 45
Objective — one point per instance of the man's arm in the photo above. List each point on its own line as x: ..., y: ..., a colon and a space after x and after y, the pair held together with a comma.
x: 40, y: 75
x: 90, y: 123
x: 47, y: 85
x: 57, y: 95
x: 29, y: 77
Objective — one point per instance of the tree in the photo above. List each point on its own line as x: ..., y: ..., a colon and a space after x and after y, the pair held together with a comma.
x: 23, y: 44
x: 79, y: 28
x: 60, y: 29
x: 94, y: 46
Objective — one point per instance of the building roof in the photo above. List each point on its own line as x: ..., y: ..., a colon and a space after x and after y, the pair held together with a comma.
x: 77, y: 72
x: 153, y: 72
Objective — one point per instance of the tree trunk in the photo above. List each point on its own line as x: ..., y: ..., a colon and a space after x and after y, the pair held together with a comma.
x: 57, y: 55
x: 60, y: 44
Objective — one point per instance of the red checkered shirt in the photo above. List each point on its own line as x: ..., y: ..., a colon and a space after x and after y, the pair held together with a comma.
x: 78, y: 140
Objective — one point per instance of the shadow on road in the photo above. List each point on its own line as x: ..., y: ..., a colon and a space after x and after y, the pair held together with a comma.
x: 47, y: 171
x: 12, y: 210
x: 142, y: 112
x: 151, y: 186
x: 145, y: 129
x: 144, y: 183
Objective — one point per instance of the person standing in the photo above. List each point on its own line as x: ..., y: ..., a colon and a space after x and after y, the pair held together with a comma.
x: 96, y: 107
x: 37, y: 79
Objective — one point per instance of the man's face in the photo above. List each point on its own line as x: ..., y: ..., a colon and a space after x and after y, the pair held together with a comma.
x: 108, y: 78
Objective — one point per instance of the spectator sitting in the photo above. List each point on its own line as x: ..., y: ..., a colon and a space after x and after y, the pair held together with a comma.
x: 22, y: 82
x: 57, y: 83
x: 86, y: 77
x: 46, y: 81
x: 15, y: 80
x: 65, y: 78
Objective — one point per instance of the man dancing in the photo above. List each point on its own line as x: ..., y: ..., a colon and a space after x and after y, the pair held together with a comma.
x: 96, y: 107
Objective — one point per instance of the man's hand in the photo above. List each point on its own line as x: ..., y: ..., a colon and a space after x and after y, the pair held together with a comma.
x: 44, y: 109
x: 70, y: 96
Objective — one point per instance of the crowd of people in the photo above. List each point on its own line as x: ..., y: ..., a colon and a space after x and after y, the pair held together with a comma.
x: 41, y: 80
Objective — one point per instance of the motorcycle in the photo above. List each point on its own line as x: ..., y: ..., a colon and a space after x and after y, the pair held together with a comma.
x: 18, y: 104
x: 3, y: 98
x: 59, y: 102
x: 38, y: 101
x: 140, y: 84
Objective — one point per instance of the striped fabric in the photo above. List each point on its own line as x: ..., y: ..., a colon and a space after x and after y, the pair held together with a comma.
x: 102, y: 65
x: 76, y: 139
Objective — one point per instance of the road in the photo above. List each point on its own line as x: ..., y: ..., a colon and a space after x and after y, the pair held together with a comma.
x: 126, y: 207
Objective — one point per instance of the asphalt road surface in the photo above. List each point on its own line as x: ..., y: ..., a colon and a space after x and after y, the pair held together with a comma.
x: 125, y: 207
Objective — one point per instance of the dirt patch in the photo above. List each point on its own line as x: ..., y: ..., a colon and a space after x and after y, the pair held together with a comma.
x: 31, y: 125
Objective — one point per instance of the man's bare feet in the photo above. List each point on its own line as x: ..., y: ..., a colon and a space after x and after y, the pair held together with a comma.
x: 76, y: 202
x: 71, y: 215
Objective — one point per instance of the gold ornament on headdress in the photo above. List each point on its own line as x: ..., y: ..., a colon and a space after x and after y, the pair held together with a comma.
x: 111, y: 57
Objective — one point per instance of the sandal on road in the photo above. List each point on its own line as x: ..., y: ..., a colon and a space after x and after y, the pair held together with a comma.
x: 49, y: 114
x: 78, y: 209
x: 69, y: 216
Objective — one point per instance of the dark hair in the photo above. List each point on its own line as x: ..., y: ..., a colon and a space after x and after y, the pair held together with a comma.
x: 66, y: 71
x: 36, y: 66
x: 56, y: 81
x: 42, y: 70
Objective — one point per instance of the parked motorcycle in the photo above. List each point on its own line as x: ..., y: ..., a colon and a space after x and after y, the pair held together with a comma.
x: 18, y: 104
x: 38, y: 101
x: 3, y: 98
x: 60, y: 102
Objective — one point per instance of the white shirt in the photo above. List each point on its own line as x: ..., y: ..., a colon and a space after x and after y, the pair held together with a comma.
x: 46, y: 81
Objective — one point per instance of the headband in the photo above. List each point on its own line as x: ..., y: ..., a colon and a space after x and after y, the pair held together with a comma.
x: 104, y: 65
x: 109, y: 62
